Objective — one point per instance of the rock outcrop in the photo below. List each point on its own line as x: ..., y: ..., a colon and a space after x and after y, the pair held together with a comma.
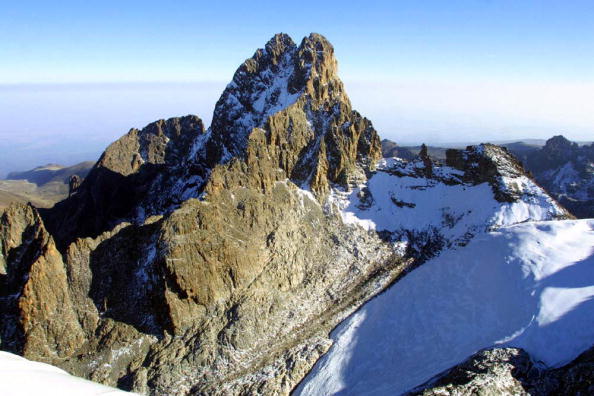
x: 511, y: 371
x: 137, y: 175
x: 36, y: 307
x: 491, y: 164
x: 288, y: 100
x: 391, y: 149
x: 285, y: 105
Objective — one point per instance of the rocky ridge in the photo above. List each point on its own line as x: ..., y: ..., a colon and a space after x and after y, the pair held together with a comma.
x: 286, y: 104
x: 480, y: 189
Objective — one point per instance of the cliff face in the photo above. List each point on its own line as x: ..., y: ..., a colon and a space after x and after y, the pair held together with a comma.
x: 34, y: 290
x: 135, y: 177
x: 294, y: 95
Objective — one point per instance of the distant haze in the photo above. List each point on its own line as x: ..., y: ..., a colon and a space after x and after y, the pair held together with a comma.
x: 69, y: 123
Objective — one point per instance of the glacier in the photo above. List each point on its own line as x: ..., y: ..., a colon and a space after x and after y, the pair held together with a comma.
x: 528, y: 285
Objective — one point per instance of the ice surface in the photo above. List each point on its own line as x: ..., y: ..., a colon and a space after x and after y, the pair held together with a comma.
x: 22, y: 377
x: 529, y: 285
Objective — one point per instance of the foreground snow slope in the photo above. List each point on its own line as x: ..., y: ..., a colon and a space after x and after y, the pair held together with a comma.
x: 528, y: 285
x: 22, y: 377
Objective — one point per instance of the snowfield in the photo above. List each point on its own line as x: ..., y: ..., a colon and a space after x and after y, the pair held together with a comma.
x: 405, y: 202
x: 22, y: 377
x: 529, y: 285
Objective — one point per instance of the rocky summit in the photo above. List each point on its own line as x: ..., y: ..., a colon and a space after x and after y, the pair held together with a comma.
x: 195, y: 261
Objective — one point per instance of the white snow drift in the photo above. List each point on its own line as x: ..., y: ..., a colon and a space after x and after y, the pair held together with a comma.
x: 22, y: 377
x: 529, y: 285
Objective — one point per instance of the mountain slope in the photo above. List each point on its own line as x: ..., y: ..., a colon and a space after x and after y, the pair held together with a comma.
x: 286, y: 103
x: 233, y: 292
x: 425, y: 210
x: 42, y: 186
x: 527, y: 285
x: 52, y: 173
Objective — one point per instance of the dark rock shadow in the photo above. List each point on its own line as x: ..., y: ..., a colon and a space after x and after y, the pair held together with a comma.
x: 19, y: 261
x: 106, y: 198
x: 126, y: 284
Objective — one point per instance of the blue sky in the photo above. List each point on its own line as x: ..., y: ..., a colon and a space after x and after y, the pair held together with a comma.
x: 435, y: 71
x: 86, y: 41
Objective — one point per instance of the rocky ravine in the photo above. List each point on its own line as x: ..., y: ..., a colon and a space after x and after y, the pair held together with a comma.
x: 213, y: 261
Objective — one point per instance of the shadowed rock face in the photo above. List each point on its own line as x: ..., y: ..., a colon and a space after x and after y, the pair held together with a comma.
x: 486, y: 163
x: 566, y: 170
x: 34, y: 290
x: 133, y: 178
x: 234, y: 292
x: 391, y: 149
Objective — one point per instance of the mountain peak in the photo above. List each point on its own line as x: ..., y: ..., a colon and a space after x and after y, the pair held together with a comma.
x: 285, y: 104
x: 278, y: 44
x: 559, y: 141
x: 295, y: 95
x: 274, y: 78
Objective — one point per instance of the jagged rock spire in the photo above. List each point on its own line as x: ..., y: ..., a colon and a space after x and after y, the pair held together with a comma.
x: 295, y: 95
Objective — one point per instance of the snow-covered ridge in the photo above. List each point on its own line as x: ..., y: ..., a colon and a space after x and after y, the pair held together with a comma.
x: 528, y: 285
x: 401, y: 200
x: 22, y: 377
